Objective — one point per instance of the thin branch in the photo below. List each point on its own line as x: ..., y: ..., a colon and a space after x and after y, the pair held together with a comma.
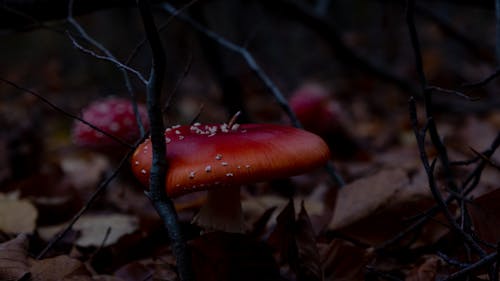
x: 487, y: 260
x: 452, y: 92
x: 250, y: 60
x: 484, y: 81
x: 62, y: 111
x: 157, y: 192
x: 109, y: 59
x: 103, y: 49
x: 324, y: 27
x: 95, y: 195
x: 429, y: 169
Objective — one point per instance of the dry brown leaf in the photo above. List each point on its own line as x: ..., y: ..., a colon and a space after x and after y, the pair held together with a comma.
x: 425, y: 271
x: 59, y: 268
x: 484, y: 212
x: 386, y: 199
x: 93, y: 229
x: 255, y: 206
x: 17, y: 215
x: 14, y: 258
x: 84, y: 172
x: 309, y: 264
x: 343, y: 261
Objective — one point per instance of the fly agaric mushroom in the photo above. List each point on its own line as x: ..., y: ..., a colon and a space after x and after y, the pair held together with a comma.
x: 322, y: 115
x: 114, y: 116
x: 220, y: 158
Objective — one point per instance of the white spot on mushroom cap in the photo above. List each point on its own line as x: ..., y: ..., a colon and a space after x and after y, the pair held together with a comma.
x: 136, y: 162
x: 229, y: 174
x: 192, y: 174
x: 218, y: 156
x: 143, y: 172
x: 208, y: 169
x: 114, y: 127
x: 224, y: 163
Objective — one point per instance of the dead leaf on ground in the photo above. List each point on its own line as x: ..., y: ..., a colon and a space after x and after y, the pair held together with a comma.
x: 425, y: 271
x: 343, y: 261
x: 375, y: 208
x: 255, y: 206
x: 14, y: 263
x: 484, y: 212
x: 85, y: 171
x: 93, y: 229
x: 17, y: 215
x: 309, y: 265
x: 67, y: 269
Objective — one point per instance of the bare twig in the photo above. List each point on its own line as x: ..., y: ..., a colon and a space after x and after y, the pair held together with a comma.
x: 157, y: 193
x: 461, y: 230
x: 429, y: 169
x: 487, y: 260
x: 64, y: 112
x: 484, y: 81
x: 250, y: 60
x: 451, y: 92
x: 103, y: 49
x: 95, y: 195
x: 109, y: 59
x: 321, y: 24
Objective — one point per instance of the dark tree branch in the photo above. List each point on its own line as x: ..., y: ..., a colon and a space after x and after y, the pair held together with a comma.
x: 484, y: 81
x: 247, y: 56
x: 448, y: 28
x: 157, y: 192
x: 296, y: 10
x: 429, y: 169
x: 12, y: 11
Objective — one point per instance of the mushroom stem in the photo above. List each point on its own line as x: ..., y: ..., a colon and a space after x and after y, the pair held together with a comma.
x: 221, y: 211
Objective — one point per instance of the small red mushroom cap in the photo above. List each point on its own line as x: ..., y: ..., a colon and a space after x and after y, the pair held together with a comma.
x: 204, y: 157
x: 315, y: 109
x: 112, y: 115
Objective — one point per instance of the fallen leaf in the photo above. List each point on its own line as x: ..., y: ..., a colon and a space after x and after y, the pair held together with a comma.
x: 343, y: 261
x: 426, y: 271
x: 282, y: 238
x: 67, y: 269
x: 484, y: 212
x: 309, y: 265
x: 17, y: 215
x: 85, y: 171
x: 93, y: 229
x: 134, y: 271
x: 388, y: 198
x: 14, y: 262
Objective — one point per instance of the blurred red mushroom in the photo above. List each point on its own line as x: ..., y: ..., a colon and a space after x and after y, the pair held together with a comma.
x: 322, y: 115
x: 114, y: 116
x: 220, y: 158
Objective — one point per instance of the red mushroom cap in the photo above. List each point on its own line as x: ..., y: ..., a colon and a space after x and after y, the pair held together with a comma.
x: 314, y: 108
x: 112, y: 115
x: 203, y: 157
